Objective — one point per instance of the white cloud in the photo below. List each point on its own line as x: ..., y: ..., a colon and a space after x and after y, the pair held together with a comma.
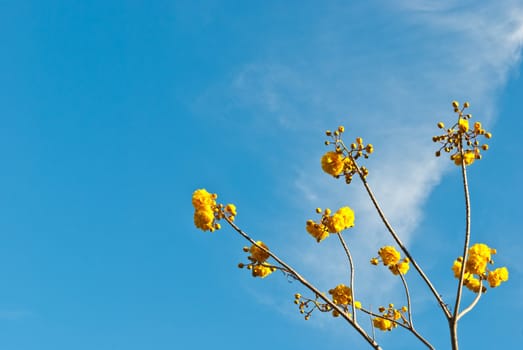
x: 396, y: 89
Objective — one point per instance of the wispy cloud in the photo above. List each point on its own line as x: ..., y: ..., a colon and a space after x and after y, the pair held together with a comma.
x: 394, y: 89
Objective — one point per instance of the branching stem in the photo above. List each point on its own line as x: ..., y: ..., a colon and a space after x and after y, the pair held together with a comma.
x: 308, y: 285
x: 474, y: 302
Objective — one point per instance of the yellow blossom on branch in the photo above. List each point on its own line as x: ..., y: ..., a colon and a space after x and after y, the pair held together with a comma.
x: 341, y: 295
x: 479, y: 256
x: 474, y: 284
x: 476, y: 268
x: 383, y: 324
x: 258, y: 261
x: 332, y: 163
x: 204, y: 219
x: 469, y: 157
x: 341, y: 220
x: 262, y: 270
x: 330, y: 223
x: 497, y: 276
x: 202, y: 200
x: 257, y: 254
x: 207, y: 212
x: 389, y: 255
x: 460, y: 139
x: 342, y: 161
x: 317, y: 230
x: 400, y: 268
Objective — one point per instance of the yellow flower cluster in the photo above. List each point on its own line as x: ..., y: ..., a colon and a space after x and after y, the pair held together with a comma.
x: 497, y: 276
x: 341, y: 294
x: 335, y: 223
x: 258, y: 255
x: 341, y: 161
x: 461, y: 138
x: 262, y: 270
x: 205, y: 208
x: 207, y: 212
x: 258, y: 258
x: 476, y: 269
x: 333, y: 163
x: 383, y: 324
x: 391, y: 257
x: 389, y: 318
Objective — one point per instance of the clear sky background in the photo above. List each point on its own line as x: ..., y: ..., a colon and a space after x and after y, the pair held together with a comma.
x: 113, y: 113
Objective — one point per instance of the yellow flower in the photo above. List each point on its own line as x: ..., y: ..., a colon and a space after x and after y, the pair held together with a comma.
x: 473, y: 284
x: 334, y: 223
x: 203, y: 219
x: 463, y: 125
x: 402, y: 267
x: 261, y: 271
x: 318, y: 231
x: 257, y: 254
x: 332, y: 163
x: 341, y: 220
x: 497, y: 276
x: 469, y: 157
x: 457, y: 266
x: 347, y: 214
x: 341, y: 294
x: 396, y: 315
x: 202, y: 199
x: 479, y: 256
x: 382, y: 324
x: 231, y: 209
x: 389, y: 255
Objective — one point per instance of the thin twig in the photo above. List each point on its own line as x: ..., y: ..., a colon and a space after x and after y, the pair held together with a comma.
x: 409, y: 328
x: 408, y: 299
x: 474, y: 302
x: 351, y: 267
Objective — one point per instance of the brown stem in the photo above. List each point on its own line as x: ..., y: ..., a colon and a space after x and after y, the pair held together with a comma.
x: 351, y: 267
x: 474, y: 302
x: 408, y: 298
x: 453, y: 321
x: 308, y: 285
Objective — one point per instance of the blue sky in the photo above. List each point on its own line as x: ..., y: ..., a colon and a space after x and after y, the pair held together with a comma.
x: 114, y: 113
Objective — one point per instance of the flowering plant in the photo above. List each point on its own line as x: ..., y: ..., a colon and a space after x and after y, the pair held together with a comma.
x: 472, y: 268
